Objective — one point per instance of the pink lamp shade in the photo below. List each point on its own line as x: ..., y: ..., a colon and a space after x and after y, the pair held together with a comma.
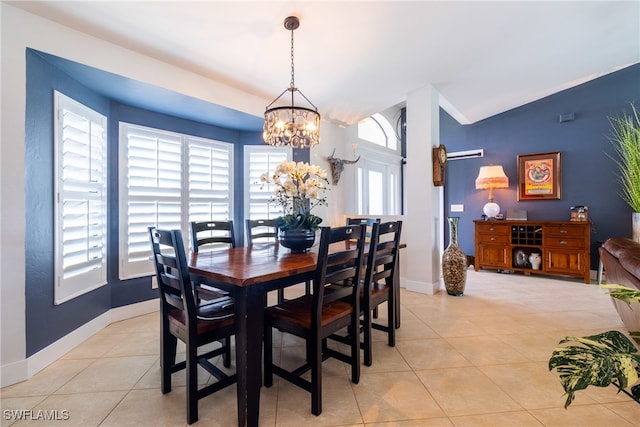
x: 491, y: 177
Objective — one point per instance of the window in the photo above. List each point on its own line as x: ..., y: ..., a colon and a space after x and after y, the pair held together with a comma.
x: 258, y: 160
x: 377, y: 129
x: 378, y: 183
x: 81, y: 199
x: 168, y: 180
x: 379, y: 170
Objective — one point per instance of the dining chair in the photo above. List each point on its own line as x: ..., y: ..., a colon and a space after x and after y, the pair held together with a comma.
x: 368, y: 222
x: 182, y: 318
x: 264, y: 231
x: 315, y: 317
x: 261, y: 231
x: 380, y: 284
x: 211, y: 235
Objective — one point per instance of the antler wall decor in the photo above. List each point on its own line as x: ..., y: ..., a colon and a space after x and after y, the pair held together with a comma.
x: 337, y: 166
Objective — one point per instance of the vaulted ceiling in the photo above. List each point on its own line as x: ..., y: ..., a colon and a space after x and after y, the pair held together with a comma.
x: 353, y: 59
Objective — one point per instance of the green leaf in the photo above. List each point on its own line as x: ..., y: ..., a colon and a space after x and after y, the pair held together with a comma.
x: 599, y: 360
x: 623, y: 293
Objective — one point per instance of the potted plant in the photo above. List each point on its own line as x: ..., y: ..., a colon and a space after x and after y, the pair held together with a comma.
x: 609, y: 358
x: 299, y: 188
x: 625, y: 137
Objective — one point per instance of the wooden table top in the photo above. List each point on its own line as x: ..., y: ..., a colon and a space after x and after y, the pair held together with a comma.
x: 246, y: 266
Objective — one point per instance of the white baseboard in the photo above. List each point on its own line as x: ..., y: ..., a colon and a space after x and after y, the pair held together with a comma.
x: 24, y: 369
x: 422, y: 287
x: 133, y: 310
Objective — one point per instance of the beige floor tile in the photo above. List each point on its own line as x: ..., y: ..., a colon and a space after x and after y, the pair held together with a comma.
x: 137, y: 344
x: 150, y: 408
x: 411, y: 329
x: 81, y: 410
x: 580, y: 416
x: 151, y: 378
x: 430, y: 354
x: 386, y: 359
x: 394, y: 396
x: 110, y: 374
x: 477, y: 360
x: 536, y: 347
x: 339, y: 406
x: 455, y: 326
x: 293, y: 357
x: 145, y: 323
x: 499, y: 419
x: 629, y: 410
x: 430, y: 422
x: 466, y: 391
x: 96, y: 346
x: 486, y: 350
x: 529, y: 384
x: 604, y: 395
x: 17, y: 408
x: 49, y: 379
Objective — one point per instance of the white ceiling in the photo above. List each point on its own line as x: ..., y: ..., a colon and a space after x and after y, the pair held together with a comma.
x: 353, y: 59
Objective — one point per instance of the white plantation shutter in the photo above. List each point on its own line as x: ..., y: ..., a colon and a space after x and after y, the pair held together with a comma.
x: 258, y: 160
x: 210, y: 180
x: 167, y: 180
x: 81, y: 199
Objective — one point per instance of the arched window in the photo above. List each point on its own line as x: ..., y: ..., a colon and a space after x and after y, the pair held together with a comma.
x: 377, y: 129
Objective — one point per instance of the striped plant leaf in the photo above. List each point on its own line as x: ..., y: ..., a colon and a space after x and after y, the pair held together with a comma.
x: 599, y: 360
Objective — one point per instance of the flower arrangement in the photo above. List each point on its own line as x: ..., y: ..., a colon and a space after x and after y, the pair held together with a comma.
x: 299, y: 188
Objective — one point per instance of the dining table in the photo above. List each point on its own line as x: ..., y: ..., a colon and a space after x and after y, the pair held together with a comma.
x: 248, y: 273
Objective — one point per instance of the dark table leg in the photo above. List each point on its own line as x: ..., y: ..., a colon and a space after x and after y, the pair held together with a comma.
x: 249, y: 328
x: 396, y: 287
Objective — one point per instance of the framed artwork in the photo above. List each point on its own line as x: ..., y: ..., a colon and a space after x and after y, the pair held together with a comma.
x: 539, y: 176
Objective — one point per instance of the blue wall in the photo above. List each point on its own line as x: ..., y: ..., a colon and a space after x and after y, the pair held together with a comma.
x: 46, y: 322
x: 588, y: 175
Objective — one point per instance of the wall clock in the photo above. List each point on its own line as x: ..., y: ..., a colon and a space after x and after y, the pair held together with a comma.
x: 439, y: 157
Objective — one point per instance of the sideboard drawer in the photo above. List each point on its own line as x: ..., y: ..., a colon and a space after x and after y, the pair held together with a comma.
x: 564, y: 230
x: 493, y: 229
x: 494, y: 238
x: 564, y: 242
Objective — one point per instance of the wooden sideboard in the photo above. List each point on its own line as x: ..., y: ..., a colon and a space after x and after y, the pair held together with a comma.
x: 564, y: 246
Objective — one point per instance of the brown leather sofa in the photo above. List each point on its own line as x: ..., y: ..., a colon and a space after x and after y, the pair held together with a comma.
x: 620, y: 258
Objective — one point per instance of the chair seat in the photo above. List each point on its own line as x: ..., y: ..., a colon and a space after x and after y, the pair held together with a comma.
x: 298, y: 311
x: 211, y: 316
x: 379, y: 292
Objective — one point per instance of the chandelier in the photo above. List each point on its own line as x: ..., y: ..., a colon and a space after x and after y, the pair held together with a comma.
x: 291, y: 125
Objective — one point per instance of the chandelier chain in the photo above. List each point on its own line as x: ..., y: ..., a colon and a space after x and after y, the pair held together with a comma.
x: 293, y: 83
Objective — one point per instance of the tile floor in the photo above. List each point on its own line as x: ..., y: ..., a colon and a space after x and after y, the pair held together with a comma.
x: 476, y: 360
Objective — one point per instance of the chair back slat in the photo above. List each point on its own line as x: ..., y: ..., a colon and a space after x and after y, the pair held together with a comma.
x: 172, y: 272
x: 261, y: 230
x: 340, y: 264
x: 212, y: 234
x: 382, y: 259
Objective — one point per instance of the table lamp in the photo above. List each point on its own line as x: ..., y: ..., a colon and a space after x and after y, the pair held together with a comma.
x: 491, y: 177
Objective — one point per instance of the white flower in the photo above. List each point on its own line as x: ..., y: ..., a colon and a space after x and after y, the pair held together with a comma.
x: 299, y: 186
